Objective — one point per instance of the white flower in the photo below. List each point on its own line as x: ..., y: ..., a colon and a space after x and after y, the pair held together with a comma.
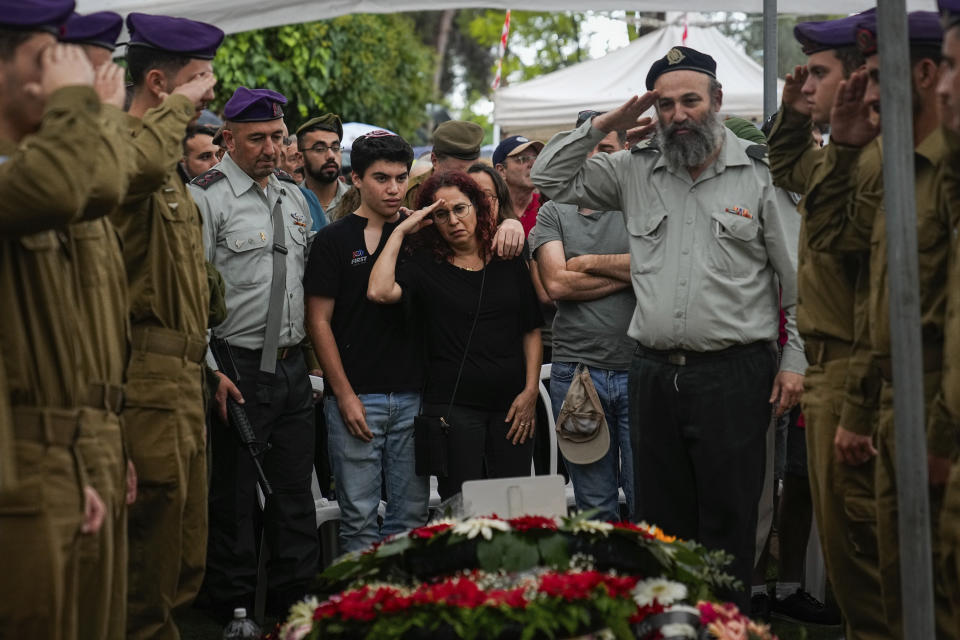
x: 295, y: 632
x: 660, y: 589
x: 678, y: 630
x: 592, y: 526
x: 482, y: 526
x: 300, y: 621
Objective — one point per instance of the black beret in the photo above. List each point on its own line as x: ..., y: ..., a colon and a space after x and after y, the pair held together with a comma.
x: 681, y: 59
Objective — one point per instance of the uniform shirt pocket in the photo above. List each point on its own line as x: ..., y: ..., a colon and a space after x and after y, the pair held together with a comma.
x: 247, y: 263
x: 734, y: 248
x: 91, y: 239
x: 647, y: 235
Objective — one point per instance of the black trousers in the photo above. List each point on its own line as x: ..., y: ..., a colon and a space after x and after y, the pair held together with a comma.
x: 698, y: 434
x: 289, y: 518
x: 478, y: 448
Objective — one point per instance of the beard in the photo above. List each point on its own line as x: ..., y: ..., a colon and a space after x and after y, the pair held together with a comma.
x: 326, y: 173
x: 692, y: 148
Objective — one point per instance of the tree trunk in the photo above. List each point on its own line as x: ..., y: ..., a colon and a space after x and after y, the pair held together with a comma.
x: 443, y: 39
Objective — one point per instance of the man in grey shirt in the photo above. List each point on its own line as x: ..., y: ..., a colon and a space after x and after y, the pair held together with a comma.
x: 708, y: 249
x: 584, y: 263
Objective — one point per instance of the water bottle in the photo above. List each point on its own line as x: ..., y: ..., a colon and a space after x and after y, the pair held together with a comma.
x: 241, y: 627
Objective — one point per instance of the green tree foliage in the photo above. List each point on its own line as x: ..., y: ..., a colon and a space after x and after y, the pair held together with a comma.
x: 366, y: 67
x: 747, y: 29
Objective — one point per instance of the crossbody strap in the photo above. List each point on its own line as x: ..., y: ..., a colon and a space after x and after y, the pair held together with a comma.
x: 466, y: 349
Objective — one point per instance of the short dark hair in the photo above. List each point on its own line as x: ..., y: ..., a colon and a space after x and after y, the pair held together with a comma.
x: 920, y: 52
x: 142, y: 60
x: 850, y: 58
x: 196, y: 130
x: 368, y: 149
x: 11, y: 39
x: 500, y: 186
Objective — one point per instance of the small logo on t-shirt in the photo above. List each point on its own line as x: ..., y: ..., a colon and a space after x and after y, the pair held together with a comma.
x: 359, y: 257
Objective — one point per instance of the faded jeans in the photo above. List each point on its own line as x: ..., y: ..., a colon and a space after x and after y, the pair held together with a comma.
x: 360, y: 468
x: 595, y: 485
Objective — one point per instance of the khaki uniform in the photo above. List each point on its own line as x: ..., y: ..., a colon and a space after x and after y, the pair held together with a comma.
x: 413, y: 189
x: 831, y: 293
x: 163, y: 416
x: 847, y: 215
x: 40, y: 341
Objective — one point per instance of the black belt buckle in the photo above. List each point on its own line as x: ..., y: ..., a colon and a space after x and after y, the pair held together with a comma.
x: 677, y: 359
x: 279, y: 248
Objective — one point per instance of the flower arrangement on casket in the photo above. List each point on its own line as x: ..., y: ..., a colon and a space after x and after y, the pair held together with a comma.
x: 528, y: 578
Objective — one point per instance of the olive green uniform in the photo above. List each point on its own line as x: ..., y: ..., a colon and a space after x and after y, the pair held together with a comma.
x: 413, y: 189
x: 829, y: 288
x: 846, y: 214
x: 159, y: 225
x: 945, y: 413
x: 40, y: 336
x: 103, y: 310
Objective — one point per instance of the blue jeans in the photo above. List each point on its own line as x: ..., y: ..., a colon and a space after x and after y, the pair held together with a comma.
x: 360, y: 467
x: 595, y: 485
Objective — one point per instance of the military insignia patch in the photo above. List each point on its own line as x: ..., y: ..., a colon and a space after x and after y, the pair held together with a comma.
x: 298, y: 219
x: 866, y: 42
x: 739, y: 211
x: 675, y: 56
x: 204, y: 180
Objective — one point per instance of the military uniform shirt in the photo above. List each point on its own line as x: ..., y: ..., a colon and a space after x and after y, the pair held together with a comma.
x: 238, y: 240
x: 705, y: 255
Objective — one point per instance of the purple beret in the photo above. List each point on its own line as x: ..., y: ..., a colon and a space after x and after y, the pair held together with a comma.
x: 949, y: 13
x: 35, y: 15
x: 828, y: 34
x: 923, y: 28
x: 174, y: 35
x: 254, y: 105
x: 100, y: 29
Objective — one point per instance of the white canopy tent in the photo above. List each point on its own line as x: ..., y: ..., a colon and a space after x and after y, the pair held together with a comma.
x: 243, y: 15
x: 545, y: 105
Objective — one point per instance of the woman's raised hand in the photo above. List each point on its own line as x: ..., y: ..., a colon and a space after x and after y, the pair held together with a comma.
x: 418, y: 219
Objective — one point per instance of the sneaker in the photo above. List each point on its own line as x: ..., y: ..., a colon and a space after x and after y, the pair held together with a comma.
x: 760, y: 607
x: 803, y: 607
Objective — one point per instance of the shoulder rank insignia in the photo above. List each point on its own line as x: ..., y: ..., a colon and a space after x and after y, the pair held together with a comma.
x: 758, y: 152
x: 204, y: 180
x: 283, y: 175
x: 647, y: 145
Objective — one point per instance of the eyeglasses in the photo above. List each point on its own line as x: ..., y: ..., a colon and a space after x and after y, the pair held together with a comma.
x: 442, y: 216
x: 322, y: 148
x: 525, y: 159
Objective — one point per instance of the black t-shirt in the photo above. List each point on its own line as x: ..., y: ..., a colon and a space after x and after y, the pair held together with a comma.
x: 378, y: 346
x: 445, y: 298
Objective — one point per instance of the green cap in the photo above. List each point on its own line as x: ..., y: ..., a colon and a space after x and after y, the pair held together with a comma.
x: 746, y: 130
x: 328, y: 122
x: 458, y: 139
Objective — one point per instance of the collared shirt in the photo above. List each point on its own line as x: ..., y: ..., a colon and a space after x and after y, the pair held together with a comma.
x: 317, y: 212
x: 706, y: 255
x: 238, y: 240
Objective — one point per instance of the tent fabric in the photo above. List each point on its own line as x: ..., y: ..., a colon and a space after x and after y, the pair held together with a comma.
x: 243, y: 15
x: 553, y: 100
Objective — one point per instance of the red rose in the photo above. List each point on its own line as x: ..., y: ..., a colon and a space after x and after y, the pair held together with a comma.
x: 526, y: 523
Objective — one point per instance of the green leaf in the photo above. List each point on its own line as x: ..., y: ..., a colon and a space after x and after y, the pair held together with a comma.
x: 554, y: 551
x: 521, y: 554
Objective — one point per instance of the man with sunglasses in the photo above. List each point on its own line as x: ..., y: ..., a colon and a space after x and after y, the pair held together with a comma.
x: 319, y: 142
x: 513, y: 158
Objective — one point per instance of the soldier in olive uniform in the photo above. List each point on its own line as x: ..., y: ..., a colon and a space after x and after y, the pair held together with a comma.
x: 160, y: 227
x: 257, y: 233
x: 456, y: 145
x: 828, y: 284
x: 52, y: 120
x: 843, y: 220
x: 704, y: 376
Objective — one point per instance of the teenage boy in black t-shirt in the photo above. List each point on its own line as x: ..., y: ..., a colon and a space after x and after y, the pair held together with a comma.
x: 369, y: 354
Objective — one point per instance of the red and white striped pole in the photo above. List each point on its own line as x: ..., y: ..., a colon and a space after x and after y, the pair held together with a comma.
x: 503, y: 50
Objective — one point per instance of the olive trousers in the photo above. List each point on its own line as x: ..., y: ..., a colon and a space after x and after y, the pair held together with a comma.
x: 167, y: 525
x: 887, y: 524
x: 950, y: 543
x: 103, y: 557
x: 844, y: 505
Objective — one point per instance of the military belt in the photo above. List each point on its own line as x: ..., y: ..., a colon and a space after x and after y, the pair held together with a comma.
x: 821, y: 350
x: 682, y: 358
x: 104, y: 396
x: 166, y: 342
x: 58, y: 427
x: 932, y: 361
x: 282, y: 353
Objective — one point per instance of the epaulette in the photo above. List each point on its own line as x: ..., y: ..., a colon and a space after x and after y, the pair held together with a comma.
x: 204, y: 180
x: 645, y: 146
x: 283, y: 175
x: 758, y: 152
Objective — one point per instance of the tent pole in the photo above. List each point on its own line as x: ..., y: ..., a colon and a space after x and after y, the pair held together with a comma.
x: 769, y: 58
x: 916, y: 573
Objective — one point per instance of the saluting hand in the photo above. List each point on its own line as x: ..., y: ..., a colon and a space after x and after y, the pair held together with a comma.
x: 850, y: 118
x: 64, y: 65
x: 792, y: 90
x: 626, y: 117
x: 108, y: 82
x: 418, y: 219
x: 199, y: 89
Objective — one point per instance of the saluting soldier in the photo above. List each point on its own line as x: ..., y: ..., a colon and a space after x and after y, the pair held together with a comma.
x: 256, y: 233
x: 169, y: 60
x: 52, y: 125
x: 844, y: 219
x: 839, y: 426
